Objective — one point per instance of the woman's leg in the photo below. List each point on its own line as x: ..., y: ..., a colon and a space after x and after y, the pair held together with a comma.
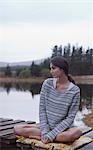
x: 28, y: 130
x: 33, y: 131
x: 69, y: 135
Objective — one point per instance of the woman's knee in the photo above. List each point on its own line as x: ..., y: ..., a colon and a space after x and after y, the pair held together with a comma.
x: 18, y: 129
x: 77, y: 133
x: 26, y: 131
x: 74, y: 134
x: 69, y: 135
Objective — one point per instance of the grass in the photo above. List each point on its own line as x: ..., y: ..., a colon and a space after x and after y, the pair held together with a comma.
x: 85, y: 79
x: 21, y: 80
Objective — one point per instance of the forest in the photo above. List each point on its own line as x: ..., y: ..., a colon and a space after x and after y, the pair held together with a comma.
x: 80, y: 63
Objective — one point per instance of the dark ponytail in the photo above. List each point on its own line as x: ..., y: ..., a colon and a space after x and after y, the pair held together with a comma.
x: 71, y: 79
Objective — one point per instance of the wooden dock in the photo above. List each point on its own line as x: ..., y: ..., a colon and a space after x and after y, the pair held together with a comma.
x: 8, y: 138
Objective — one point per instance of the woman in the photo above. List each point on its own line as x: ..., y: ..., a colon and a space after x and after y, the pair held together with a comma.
x: 59, y: 103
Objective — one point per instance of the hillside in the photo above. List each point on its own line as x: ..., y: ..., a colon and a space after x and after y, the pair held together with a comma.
x: 23, y: 63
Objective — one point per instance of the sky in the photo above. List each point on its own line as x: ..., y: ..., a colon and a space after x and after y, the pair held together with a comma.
x: 29, y: 29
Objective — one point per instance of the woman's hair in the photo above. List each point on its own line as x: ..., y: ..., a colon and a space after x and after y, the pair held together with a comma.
x: 70, y: 78
x: 62, y: 63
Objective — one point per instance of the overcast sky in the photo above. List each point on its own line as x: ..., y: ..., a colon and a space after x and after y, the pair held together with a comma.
x: 30, y: 28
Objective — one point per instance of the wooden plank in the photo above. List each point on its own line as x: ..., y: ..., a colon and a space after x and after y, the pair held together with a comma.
x: 30, y: 122
x: 7, y: 135
x: 11, y: 125
x: 11, y: 122
x: 5, y: 119
x: 15, y: 121
x: 6, y: 132
x: 6, y: 127
x: 10, y: 136
x: 8, y: 147
x: 86, y: 130
x: 19, y: 121
x: 6, y: 123
x: 89, y: 134
x: 90, y: 145
x: 8, y: 139
x: 87, y: 147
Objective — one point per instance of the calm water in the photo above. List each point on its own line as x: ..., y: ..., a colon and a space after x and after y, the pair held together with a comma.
x: 21, y: 101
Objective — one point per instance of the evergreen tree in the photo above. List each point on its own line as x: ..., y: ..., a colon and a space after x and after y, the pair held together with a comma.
x: 35, y: 69
x: 55, y: 51
x: 8, y: 72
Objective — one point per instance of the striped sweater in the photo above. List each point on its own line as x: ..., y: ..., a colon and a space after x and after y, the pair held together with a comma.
x: 57, y: 110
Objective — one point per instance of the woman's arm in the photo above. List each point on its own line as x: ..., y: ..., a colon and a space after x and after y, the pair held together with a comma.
x: 66, y: 123
x: 42, y: 111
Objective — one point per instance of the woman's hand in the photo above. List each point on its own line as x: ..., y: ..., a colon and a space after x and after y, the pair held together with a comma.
x: 45, y: 139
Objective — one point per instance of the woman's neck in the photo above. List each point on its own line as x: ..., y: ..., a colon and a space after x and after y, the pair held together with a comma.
x: 63, y: 80
x: 62, y: 83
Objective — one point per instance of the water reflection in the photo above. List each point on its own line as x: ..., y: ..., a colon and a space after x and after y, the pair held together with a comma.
x: 86, y: 95
x: 7, y: 87
x: 34, y: 88
x: 21, y: 98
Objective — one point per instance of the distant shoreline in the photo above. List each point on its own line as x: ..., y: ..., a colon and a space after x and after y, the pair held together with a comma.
x: 85, y: 79
x: 21, y: 80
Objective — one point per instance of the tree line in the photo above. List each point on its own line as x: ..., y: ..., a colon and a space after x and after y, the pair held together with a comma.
x: 79, y: 59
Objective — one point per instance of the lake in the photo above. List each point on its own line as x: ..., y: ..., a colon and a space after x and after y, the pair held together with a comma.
x: 21, y: 101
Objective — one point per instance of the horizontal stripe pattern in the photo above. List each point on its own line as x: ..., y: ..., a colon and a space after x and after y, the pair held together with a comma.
x: 57, y: 109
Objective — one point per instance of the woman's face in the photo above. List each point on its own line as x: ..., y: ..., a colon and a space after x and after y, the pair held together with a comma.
x: 55, y: 71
